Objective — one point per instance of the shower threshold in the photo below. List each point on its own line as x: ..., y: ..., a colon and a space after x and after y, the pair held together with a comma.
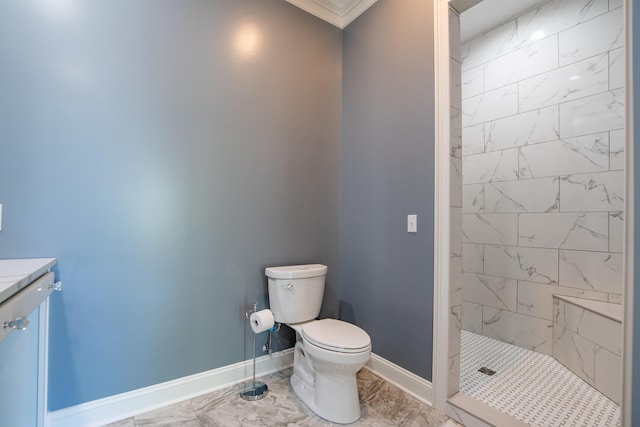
x: 531, y: 387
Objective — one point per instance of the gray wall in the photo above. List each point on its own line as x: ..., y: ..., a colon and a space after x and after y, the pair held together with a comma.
x: 165, y: 170
x: 635, y: 379
x: 387, y: 160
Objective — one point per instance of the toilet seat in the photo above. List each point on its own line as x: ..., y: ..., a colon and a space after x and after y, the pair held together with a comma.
x: 336, y: 335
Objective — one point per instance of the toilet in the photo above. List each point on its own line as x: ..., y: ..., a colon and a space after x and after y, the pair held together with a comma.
x: 328, y: 353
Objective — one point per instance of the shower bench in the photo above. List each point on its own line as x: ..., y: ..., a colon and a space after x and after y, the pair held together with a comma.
x: 587, y: 339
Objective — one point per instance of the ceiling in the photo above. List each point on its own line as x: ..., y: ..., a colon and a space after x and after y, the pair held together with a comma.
x: 489, y: 14
x: 337, y: 12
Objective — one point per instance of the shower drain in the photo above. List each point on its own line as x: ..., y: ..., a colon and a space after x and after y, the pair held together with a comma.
x: 486, y: 371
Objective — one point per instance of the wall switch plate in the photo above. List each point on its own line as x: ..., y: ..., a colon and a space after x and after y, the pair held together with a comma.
x: 412, y: 223
x: 0, y: 217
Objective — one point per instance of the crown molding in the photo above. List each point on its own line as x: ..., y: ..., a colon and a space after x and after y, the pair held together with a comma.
x: 336, y: 12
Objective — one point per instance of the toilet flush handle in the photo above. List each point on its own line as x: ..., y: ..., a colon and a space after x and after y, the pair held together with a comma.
x: 289, y: 285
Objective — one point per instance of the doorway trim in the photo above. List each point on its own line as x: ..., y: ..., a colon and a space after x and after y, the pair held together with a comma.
x: 441, y: 221
x: 441, y: 211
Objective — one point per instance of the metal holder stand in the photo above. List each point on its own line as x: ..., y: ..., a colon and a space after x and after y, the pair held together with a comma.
x: 257, y: 390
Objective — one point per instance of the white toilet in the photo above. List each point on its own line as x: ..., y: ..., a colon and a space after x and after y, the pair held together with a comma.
x: 328, y: 352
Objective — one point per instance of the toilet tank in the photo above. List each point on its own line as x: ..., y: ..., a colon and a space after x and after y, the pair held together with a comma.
x: 296, y: 291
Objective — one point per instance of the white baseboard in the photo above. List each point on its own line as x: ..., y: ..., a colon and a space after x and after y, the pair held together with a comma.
x: 114, y: 408
x: 406, y: 381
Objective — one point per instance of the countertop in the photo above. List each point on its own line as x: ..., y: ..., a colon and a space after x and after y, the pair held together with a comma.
x: 15, y: 274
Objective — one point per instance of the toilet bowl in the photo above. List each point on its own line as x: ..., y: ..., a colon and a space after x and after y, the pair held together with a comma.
x: 328, y: 353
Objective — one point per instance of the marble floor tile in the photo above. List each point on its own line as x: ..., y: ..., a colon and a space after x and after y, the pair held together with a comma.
x: 383, y: 405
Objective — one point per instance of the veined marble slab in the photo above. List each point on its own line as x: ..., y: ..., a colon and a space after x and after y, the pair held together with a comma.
x: 598, y: 271
x: 491, y: 291
x: 473, y: 140
x: 473, y: 82
x: 523, y: 129
x: 616, y: 68
x: 519, y: 329
x: 488, y: 167
x: 472, y: 258
x: 598, y: 113
x: 491, y: 105
x: 602, y: 191
x: 616, y: 149
x: 583, y: 154
x: 556, y: 16
x: 600, y: 34
x: 16, y: 274
x: 497, y: 229
x: 490, y: 45
x: 583, y: 231
x: 616, y: 231
x: 531, y: 264
x: 525, y: 62
x: 584, y: 78
x: 527, y: 195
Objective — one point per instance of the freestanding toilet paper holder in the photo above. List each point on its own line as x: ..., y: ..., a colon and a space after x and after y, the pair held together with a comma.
x: 257, y: 389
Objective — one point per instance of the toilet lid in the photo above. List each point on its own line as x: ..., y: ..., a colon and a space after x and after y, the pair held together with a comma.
x: 336, y: 335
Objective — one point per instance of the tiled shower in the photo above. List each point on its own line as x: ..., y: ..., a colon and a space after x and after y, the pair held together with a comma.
x: 543, y: 173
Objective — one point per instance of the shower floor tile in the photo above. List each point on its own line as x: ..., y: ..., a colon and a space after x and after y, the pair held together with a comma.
x: 530, y: 386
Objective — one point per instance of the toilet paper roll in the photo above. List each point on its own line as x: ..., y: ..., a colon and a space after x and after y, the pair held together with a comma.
x: 261, y: 321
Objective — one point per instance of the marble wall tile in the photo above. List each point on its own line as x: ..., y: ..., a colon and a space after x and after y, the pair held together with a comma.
x: 528, y: 61
x: 557, y: 15
x: 455, y: 234
x: 455, y: 131
x: 518, y: 329
x: 472, y: 258
x: 454, y: 36
x: 597, y: 113
x: 598, y: 35
x: 583, y: 154
x: 453, y: 381
x: 616, y: 232
x: 455, y: 83
x: 455, y: 281
x: 455, y: 181
x: 598, y: 329
x: 527, y: 195
x: 473, y: 139
x: 488, y: 167
x: 584, y: 78
x: 574, y: 352
x: 523, y: 129
x: 536, y: 299
x: 490, y: 291
x: 583, y: 231
x: 491, y: 105
x: 598, y: 271
x: 608, y: 374
x: 497, y: 229
x: 455, y: 319
x: 616, y: 68
x: 530, y: 264
x: 615, y: 299
x: 472, y: 317
x: 616, y: 149
x: 614, y: 4
x: 490, y: 45
x: 473, y: 82
x: 473, y: 198
x: 591, y: 192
